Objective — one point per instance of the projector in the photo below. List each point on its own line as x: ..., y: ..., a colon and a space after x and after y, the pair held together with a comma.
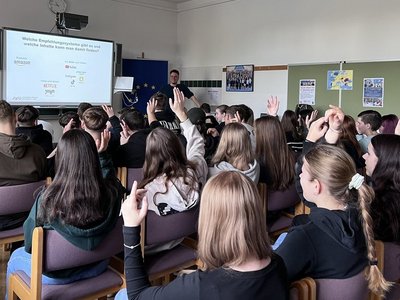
x: 71, y: 21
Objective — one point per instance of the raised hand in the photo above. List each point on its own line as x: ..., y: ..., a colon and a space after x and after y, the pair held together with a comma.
x: 69, y: 126
x: 102, y: 143
x: 236, y: 118
x: 151, y: 106
x: 151, y: 109
x: 178, y: 106
x: 272, y: 105
x: 311, y: 118
x: 213, y: 132
x: 109, y: 110
x: 124, y: 134
x: 334, y: 116
x: 134, y: 208
x: 317, y: 130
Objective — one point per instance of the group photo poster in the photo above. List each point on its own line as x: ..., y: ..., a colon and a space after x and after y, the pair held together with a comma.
x: 240, y: 78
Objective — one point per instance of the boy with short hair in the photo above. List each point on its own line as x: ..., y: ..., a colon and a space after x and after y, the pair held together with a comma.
x: 367, y: 124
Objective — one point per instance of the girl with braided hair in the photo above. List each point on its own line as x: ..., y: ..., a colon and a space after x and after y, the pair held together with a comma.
x: 336, y: 239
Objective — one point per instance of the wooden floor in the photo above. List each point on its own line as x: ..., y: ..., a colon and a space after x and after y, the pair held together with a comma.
x: 4, y: 256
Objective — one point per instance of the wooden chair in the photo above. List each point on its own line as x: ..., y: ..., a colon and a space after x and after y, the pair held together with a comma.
x: 303, y: 289
x: 157, y: 229
x: 51, y: 252
x: 388, y: 255
x: 16, y: 199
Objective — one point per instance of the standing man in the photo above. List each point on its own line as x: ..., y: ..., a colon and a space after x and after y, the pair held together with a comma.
x: 173, y: 82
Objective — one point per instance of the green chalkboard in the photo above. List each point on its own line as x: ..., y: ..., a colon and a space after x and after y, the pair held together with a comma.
x: 351, y: 101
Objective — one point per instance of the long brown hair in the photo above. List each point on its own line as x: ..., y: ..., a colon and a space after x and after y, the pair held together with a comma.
x: 349, y: 133
x: 234, y: 147
x: 78, y: 194
x: 231, y: 222
x: 166, y: 155
x: 273, y: 153
x: 335, y: 168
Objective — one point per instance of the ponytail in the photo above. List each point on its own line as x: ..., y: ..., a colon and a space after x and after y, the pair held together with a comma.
x: 376, y: 282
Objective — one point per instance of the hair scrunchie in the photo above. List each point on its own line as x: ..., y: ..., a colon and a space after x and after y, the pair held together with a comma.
x: 356, y: 181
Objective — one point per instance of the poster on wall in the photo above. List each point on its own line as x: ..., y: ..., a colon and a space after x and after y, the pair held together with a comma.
x: 373, y: 90
x: 340, y: 80
x: 307, y: 91
x: 239, y: 78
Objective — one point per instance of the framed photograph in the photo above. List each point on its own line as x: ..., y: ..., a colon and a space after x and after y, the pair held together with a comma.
x: 240, y: 78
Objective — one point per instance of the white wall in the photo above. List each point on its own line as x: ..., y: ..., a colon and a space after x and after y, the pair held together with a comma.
x: 138, y: 28
x: 204, y: 40
x: 270, y: 32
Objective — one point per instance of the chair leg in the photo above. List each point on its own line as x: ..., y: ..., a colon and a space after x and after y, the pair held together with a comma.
x: 7, y: 247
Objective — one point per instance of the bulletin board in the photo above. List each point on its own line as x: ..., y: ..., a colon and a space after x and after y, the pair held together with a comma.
x: 351, y: 100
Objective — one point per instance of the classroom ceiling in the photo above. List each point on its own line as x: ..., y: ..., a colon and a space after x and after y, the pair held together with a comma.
x: 175, y: 5
x: 177, y: 1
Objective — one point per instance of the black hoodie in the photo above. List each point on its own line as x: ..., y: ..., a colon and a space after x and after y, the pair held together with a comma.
x: 38, y: 136
x: 330, y: 245
x: 21, y: 161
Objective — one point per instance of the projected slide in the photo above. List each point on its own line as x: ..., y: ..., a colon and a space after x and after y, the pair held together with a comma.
x: 43, y: 69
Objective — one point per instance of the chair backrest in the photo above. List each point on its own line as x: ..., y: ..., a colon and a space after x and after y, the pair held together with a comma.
x: 278, y: 200
x: 59, y: 254
x: 389, y: 263
x: 18, y: 198
x: 355, y: 287
x: 132, y: 175
x: 128, y: 175
x: 162, y: 229
x: 391, y: 270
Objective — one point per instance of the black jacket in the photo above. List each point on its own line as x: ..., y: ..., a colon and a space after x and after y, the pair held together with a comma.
x: 330, y: 244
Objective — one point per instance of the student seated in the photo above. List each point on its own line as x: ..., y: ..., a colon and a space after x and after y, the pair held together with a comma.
x: 368, y: 123
x: 233, y: 245
x: 21, y: 161
x: 331, y: 242
x: 274, y: 155
x: 66, y: 117
x: 210, y: 120
x: 382, y: 164
x: 235, y: 152
x: 94, y: 121
x: 27, y: 124
x: 220, y: 117
x: 79, y: 204
x: 389, y: 123
x: 174, y: 179
x: 131, y: 151
x: 293, y: 131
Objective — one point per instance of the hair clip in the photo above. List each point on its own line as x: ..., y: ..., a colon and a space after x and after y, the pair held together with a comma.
x: 373, y: 262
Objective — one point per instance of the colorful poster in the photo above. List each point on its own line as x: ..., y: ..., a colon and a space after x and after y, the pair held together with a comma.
x: 373, y: 90
x: 307, y: 91
x: 340, y: 80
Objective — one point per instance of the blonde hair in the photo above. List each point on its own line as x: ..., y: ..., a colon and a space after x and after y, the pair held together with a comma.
x: 232, y: 224
x: 335, y: 168
x: 234, y: 147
